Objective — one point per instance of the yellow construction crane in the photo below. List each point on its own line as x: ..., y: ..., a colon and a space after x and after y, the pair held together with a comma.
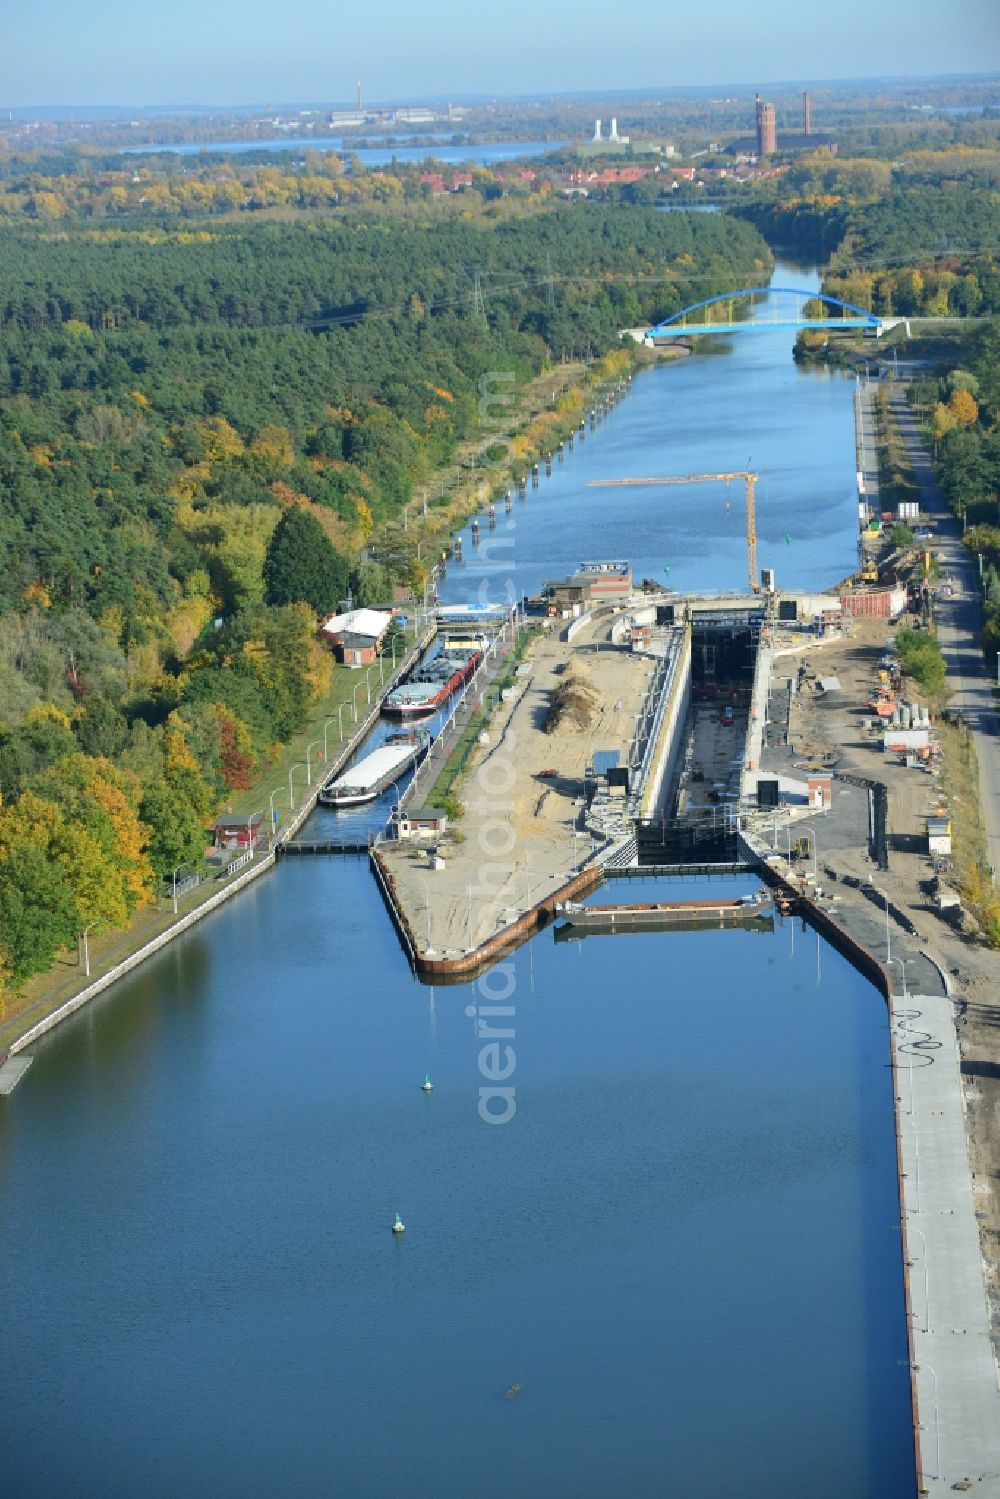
x: 750, y: 480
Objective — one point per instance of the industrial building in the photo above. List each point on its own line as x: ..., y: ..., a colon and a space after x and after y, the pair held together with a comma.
x: 592, y: 583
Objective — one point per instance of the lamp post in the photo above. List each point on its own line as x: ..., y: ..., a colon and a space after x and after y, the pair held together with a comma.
x: 340, y: 721
x: 906, y: 1030
x: 274, y: 815
x: 291, y: 796
x: 937, y: 1422
x: 888, y: 934
x: 358, y: 687
x: 927, y: 1299
x: 309, y: 750
x: 326, y: 726
x: 427, y: 908
x: 173, y: 885
x: 86, y: 948
x: 368, y: 684
x: 808, y: 832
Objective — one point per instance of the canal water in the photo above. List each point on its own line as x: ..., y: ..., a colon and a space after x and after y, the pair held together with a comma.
x: 737, y: 403
x: 675, y: 1270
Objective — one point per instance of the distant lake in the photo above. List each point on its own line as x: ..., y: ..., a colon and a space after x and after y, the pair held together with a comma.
x: 371, y: 156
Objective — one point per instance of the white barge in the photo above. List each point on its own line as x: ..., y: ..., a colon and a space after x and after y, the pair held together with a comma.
x: 382, y: 768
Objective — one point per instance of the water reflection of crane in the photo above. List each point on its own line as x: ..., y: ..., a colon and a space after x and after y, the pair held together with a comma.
x: 750, y: 481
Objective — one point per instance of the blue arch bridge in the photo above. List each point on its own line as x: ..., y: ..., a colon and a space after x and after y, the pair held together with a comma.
x: 767, y: 307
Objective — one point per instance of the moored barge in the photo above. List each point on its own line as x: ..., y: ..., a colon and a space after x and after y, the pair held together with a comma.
x: 432, y: 683
x: 376, y: 772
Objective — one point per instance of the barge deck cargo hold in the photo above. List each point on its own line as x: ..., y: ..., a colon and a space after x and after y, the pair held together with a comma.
x: 370, y: 777
x: 432, y: 683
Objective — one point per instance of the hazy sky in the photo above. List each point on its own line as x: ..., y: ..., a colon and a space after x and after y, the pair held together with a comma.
x: 238, y: 51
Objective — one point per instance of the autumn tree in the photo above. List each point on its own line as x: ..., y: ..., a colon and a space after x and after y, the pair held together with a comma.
x: 943, y: 421
x: 102, y: 802
x: 964, y: 408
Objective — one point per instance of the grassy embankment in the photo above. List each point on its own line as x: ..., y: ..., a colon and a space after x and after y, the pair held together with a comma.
x: 960, y: 786
x: 443, y: 793
x: 47, y: 991
x: 543, y: 413
x: 897, y: 484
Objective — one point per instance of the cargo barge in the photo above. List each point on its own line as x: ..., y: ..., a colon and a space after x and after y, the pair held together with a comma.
x: 377, y: 771
x: 684, y: 915
x: 432, y: 683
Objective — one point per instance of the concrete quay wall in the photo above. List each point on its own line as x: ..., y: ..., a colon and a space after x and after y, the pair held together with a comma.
x: 669, y: 726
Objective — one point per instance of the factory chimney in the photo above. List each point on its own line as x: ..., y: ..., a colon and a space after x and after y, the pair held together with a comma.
x: 597, y: 130
x: 614, y: 131
x: 807, y: 114
x: 359, y: 96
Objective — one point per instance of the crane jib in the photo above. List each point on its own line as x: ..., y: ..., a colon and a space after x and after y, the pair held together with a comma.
x: 749, y: 479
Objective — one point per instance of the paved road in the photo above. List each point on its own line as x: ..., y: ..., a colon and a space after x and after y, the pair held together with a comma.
x: 959, y: 621
x: 866, y: 442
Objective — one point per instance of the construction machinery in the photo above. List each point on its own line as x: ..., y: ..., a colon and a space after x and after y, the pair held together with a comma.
x: 750, y: 482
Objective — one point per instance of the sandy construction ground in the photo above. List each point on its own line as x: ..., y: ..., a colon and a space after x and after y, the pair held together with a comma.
x: 517, y: 841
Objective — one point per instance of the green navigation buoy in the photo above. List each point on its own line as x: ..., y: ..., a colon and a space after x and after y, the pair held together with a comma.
x: 426, y: 1086
x: 399, y: 1227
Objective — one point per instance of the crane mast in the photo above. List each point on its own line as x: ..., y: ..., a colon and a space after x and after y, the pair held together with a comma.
x: 750, y: 483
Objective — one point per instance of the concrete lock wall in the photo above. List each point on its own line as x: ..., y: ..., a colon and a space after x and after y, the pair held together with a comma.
x: 674, y: 712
